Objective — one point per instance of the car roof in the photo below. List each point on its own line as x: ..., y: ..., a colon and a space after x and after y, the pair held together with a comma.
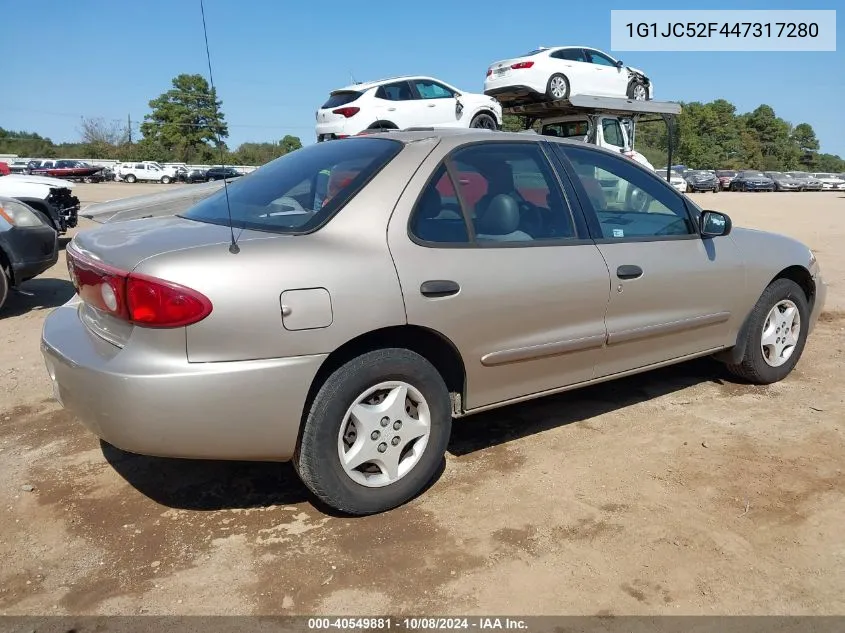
x: 361, y: 87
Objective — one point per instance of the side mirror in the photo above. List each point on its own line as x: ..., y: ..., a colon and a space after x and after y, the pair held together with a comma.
x: 715, y: 224
x: 619, y: 63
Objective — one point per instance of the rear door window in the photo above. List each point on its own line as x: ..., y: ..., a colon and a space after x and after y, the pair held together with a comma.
x: 507, y: 190
x: 570, y: 54
x: 300, y: 191
x: 399, y: 91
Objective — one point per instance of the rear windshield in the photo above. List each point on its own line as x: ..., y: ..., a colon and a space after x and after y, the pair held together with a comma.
x: 300, y: 191
x: 725, y: 172
x: 341, y: 98
x: 536, y: 51
x: 567, y: 129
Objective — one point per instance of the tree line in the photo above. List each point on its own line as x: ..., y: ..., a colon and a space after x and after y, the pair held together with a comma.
x: 714, y: 136
x: 186, y: 124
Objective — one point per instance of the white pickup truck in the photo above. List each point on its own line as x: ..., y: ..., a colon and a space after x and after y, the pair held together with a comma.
x: 146, y: 170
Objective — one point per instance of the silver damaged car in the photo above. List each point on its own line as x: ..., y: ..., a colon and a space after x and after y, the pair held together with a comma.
x: 339, y: 306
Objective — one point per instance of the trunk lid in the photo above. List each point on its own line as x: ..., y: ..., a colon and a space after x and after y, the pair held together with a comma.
x: 126, y: 244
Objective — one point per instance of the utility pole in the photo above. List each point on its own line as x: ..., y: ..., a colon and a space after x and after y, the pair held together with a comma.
x: 129, y: 127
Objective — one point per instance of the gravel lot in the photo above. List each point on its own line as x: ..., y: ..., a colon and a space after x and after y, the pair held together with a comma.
x: 674, y: 492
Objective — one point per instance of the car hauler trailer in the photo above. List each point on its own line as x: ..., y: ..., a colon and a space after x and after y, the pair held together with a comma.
x: 606, y: 118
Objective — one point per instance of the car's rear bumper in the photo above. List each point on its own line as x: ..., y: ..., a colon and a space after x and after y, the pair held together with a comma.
x: 144, y: 402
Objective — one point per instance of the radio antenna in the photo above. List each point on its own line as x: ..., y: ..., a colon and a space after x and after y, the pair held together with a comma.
x: 233, y: 245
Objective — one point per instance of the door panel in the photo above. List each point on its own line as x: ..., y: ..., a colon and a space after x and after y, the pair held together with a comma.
x: 689, y: 296
x: 396, y: 103
x: 682, y: 304
x: 436, y: 104
x: 525, y: 318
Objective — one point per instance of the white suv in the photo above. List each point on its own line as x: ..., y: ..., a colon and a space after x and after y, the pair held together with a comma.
x: 403, y: 102
x: 146, y: 170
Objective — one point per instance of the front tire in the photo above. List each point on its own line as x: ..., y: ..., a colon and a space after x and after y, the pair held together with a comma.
x: 376, y: 432
x: 776, y: 334
x: 483, y: 122
x: 165, y: 180
x: 637, y: 91
x: 4, y: 287
x: 557, y: 88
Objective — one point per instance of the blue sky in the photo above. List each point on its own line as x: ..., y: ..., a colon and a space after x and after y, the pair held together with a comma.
x: 275, y: 62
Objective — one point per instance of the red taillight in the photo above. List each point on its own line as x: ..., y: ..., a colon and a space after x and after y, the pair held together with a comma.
x: 347, y: 112
x: 522, y: 65
x: 158, y: 303
x: 140, y: 299
x: 489, y: 71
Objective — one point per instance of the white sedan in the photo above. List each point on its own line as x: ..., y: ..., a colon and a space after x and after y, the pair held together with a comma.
x: 403, y: 102
x: 556, y: 73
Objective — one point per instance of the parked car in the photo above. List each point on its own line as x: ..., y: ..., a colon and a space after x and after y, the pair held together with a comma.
x: 4, y: 169
x: 808, y: 182
x: 784, y: 182
x: 149, y: 171
x: 752, y: 181
x: 555, y: 73
x: 701, y: 180
x: 18, y: 166
x: 830, y: 182
x: 403, y: 102
x: 675, y: 179
x: 50, y: 197
x: 196, y: 175
x: 221, y: 173
x: 28, y: 245
x: 725, y: 177
x: 350, y: 324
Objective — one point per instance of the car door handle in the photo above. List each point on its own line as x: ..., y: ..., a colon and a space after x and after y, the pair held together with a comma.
x: 431, y: 105
x: 391, y: 109
x: 629, y: 271
x: 439, y: 288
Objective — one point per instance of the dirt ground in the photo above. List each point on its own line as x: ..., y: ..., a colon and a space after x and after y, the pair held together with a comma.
x: 674, y: 492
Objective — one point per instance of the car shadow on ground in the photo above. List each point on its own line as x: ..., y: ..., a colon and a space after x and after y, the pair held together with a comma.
x: 207, y: 485
x: 37, y: 294
x: 190, y: 484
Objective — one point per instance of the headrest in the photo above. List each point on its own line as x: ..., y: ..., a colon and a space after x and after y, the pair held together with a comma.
x: 430, y: 204
x: 501, y: 216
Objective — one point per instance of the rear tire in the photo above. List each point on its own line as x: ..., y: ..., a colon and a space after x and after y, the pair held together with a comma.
x: 333, y: 437
x: 557, y: 88
x: 776, y: 334
x: 130, y: 178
